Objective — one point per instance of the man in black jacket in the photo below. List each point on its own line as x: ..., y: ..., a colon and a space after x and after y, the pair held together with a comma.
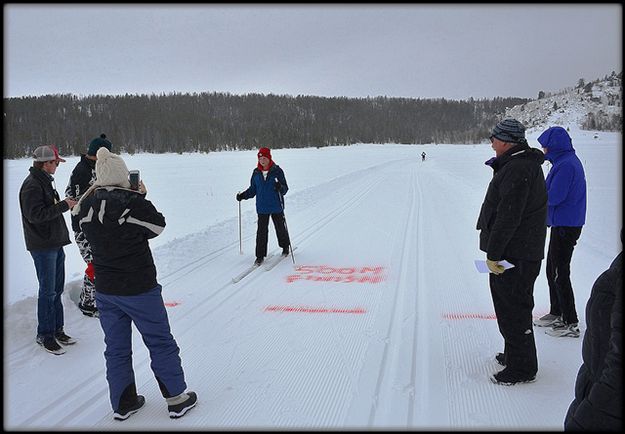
x: 513, y: 227
x: 45, y: 233
x: 83, y: 176
x: 598, y: 403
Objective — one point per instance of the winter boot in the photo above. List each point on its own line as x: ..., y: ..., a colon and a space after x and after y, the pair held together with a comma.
x: 50, y: 345
x: 508, y: 377
x: 179, y: 405
x: 63, y: 339
x: 125, y: 412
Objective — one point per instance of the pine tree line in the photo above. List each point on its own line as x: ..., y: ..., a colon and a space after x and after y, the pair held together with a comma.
x: 207, y: 122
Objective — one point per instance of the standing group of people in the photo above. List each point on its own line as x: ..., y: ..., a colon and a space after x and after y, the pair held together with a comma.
x: 113, y: 222
x: 519, y: 206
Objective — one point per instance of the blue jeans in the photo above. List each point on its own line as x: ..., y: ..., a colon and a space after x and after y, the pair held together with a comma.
x: 147, y: 312
x: 50, y: 266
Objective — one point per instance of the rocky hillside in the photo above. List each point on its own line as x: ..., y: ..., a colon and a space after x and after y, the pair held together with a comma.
x: 595, y: 105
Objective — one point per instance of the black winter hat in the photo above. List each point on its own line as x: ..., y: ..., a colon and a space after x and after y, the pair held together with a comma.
x: 97, y: 143
x: 509, y: 130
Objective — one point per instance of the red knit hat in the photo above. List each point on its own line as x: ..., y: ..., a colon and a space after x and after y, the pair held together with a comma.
x: 264, y: 152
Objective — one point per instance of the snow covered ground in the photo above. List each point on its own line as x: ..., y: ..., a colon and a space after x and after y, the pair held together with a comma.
x: 382, y: 322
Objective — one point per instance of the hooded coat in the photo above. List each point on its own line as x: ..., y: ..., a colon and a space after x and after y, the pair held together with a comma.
x: 118, y: 222
x: 566, y: 181
x: 513, y: 214
x: 598, y: 403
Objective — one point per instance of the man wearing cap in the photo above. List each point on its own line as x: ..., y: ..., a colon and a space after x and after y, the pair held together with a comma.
x: 45, y: 234
x: 268, y: 184
x: 83, y: 176
x: 512, y: 225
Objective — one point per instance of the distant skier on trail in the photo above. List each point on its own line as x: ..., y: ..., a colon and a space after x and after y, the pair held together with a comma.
x: 423, y: 156
x: 268, y: 185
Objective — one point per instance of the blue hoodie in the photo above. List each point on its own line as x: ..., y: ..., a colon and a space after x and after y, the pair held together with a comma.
x: 566, y: 181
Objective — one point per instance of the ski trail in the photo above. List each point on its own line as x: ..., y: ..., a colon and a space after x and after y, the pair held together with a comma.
x: 394, y: 392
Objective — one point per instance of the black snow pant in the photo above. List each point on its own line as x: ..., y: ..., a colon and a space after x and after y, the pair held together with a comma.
x: 513, y: 299
x: 262, y: 233
x: 561, y: 243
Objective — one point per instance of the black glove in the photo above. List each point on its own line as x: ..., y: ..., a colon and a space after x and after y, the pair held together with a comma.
x: 239, y: 197
x: 277, y: 186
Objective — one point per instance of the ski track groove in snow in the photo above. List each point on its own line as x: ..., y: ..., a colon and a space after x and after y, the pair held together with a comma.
x: 418, y: 358
x: 391, y: 359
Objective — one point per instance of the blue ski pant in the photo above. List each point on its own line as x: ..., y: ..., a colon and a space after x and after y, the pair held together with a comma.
x: 147, y: 311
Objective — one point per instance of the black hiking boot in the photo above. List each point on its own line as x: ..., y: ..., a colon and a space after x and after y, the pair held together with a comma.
x: 510, y: 378
x: 124, y: 413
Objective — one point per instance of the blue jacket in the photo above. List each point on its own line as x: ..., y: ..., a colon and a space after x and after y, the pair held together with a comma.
x: 566, y: 181
x: 267, y: 198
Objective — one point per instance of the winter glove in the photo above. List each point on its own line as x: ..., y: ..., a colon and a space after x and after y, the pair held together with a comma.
x: 277, y: 186
x: 494, y: 267
x: 239, y: 197
x: 90, y: 272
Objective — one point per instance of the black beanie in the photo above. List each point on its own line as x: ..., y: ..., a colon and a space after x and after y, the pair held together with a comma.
x: 97, y: 143
x: 509, y: 130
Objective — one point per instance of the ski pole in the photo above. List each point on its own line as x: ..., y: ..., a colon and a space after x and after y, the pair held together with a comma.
x: 285, y: 225
x: 240, y: 241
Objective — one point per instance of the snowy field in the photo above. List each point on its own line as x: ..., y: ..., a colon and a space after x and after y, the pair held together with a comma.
x: 382, y: 322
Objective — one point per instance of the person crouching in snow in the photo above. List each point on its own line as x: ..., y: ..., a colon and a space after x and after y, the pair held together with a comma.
x: 118, y: 222
x: 268, y: 185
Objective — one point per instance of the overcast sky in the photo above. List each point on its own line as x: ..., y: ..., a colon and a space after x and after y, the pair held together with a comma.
x: 404, y: 50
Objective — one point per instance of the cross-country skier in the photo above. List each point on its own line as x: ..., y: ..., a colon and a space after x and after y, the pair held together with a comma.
x: 268, y: 184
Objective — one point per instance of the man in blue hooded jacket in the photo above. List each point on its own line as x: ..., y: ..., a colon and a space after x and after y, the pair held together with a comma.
x: 566, y: 214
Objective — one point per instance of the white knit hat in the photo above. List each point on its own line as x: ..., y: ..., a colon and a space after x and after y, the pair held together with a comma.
x: 110, y: 170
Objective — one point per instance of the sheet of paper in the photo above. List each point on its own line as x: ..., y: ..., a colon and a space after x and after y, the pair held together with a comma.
x: 483, y: 268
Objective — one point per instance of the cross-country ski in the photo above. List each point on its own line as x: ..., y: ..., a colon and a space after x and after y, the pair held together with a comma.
x: 248, y: 270
x: 269, y: 265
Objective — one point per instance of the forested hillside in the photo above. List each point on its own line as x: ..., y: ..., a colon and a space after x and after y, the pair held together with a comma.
x: 217, y: 121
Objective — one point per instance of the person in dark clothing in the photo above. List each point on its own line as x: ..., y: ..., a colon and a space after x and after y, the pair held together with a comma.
x: 423, y: 156
x: 118, y: 222
x: 45, y: 234
x: 512, y: 225
x: 83, y: 176
x: 566, y: 191
x: 598, y: 402
x: 269, y: 186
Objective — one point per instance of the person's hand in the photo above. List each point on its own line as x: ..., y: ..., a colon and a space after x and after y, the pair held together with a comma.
x: 142, y: 188
x: 239, y: 197
x: 495, y: 267
x: 70, y: 202
x: 277, y: 186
